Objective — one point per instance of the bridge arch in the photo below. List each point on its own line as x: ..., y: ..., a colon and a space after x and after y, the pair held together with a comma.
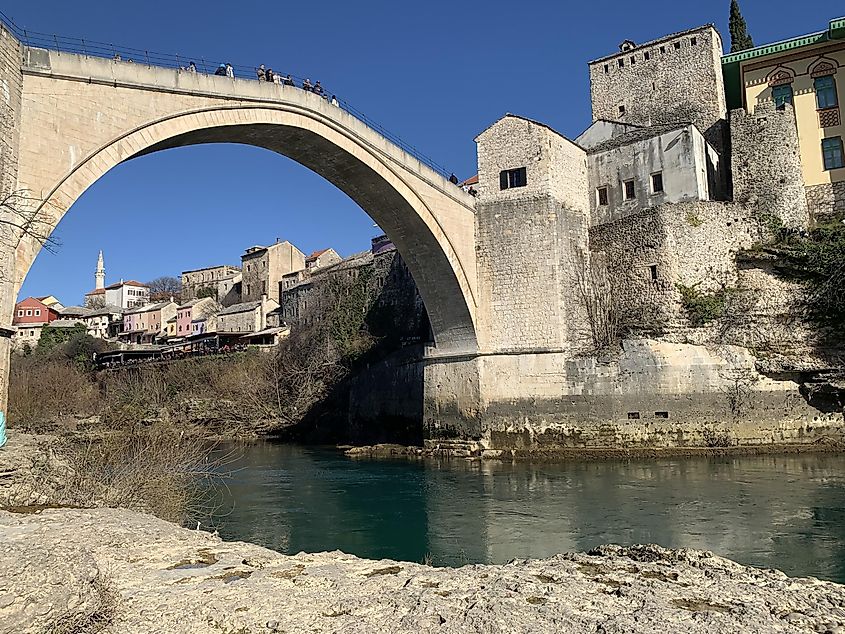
x: 430, y: 221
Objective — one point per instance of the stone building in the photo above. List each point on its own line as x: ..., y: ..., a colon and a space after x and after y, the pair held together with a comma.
x: 148, y: 323
x: 806, y: 73
x: 321, y: 258
x: 246, y: 317
x: 222, y: 283
x: 632, y: 168
x: 262, y: 268
x: 674, y: 78
x: 395, y: 308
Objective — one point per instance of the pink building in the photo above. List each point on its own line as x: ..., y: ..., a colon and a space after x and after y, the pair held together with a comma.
x: 147, y: 323
x: 189, y: 312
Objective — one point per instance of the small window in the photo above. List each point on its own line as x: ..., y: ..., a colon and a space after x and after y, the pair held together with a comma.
x: 37, y: 312
x: 629, y: 190
x: 29, y: 313
x: 20, y: 313
x: 633, y: 415
x: 633, y: 59
x: 825, y: 92
x: 602, y: 195
x: 621, y: 109
x: 661, y: 414
x: 782, y: 95
x: 607, y: 68
x: 647, y: 56
x: 693, y: 41
x: 677, y: 45
x: 832, y: 153
x: 662, y: 49
x: 657, y: 182
x: 621, y: 62
x: 653, y: 86
x: 513, y: 178
x: 653, y: 271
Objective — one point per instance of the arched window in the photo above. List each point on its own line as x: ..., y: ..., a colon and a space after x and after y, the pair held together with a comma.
x: 782, y: 95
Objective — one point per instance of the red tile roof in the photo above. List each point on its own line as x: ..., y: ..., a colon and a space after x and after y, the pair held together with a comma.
x: 472, y: 180
x: 316, y: 254
x: 96, y: 291
x: 126, y: 283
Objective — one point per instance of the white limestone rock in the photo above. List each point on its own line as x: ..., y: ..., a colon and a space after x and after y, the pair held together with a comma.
x: 112, y: 570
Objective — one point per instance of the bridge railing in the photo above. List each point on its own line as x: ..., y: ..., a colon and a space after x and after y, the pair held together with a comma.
x: 94, y: 48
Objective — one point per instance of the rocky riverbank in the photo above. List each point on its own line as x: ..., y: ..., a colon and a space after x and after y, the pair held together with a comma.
x: 113, y: 570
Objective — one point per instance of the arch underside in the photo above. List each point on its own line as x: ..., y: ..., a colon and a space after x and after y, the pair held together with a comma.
x: 430, y: 259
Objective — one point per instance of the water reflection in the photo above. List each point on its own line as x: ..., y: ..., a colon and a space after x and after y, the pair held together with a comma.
x: 771, y: 511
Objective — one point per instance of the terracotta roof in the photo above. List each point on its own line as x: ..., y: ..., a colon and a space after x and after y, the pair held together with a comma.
x: 315, y: 255
x: 472, y: 180
x: 126, y: 283
x: 96, y: 291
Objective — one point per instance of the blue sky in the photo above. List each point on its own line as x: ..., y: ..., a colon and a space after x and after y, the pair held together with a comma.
x: 434, y: 73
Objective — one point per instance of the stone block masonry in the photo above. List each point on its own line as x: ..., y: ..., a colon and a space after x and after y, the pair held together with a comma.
x: 766, y: 164
x: 827, y: 201
x: 676, y: 78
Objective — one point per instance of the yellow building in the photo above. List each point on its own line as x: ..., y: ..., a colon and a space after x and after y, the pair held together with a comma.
x: 808, y: 72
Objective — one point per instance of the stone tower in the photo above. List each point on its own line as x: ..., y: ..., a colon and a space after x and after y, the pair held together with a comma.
x: 675, y: 78
x: 100, y: 273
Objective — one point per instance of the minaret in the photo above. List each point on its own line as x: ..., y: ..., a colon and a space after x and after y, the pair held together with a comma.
x: 100, y: 274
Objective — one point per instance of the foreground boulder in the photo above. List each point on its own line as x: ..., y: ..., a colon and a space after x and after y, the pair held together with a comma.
x: 112, y: 570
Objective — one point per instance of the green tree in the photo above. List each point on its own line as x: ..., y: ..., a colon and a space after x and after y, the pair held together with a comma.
x: 53, y: 337
x: 740, y: 38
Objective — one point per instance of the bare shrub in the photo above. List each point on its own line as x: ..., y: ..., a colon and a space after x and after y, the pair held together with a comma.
x: 599, y: 299
x: 41, y: 391
x: 157, y: 469
x: 96, y: 618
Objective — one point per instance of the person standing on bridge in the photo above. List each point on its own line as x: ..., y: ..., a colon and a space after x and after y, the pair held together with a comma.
x: 334, y: 101
x: 271, y: 77
x: 318, y: 89
x: 289, y: 81
x: 192, y: 68
x: 230, y: 71
x: 306, y: 85
x: 262, y: 74
x: 221, y: 70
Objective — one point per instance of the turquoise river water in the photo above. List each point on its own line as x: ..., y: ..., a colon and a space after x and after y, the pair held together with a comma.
x: 785, y: 512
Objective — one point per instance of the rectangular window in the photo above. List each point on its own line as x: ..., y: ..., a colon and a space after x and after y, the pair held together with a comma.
x: 782, y: 95
x: 677, y: 45
x: 628, y: 186
x: 832, y: 153
x: 657, y: 182
x: 513, y: 178
x: 633, y: 59
x: 646, y: 56
x: 621, y: 110
x: 825, y: 92
x: 661, y: 414
x: 29, y: 313
x: 693, y: 41
x: 633, y: 415
x: 653, y: 271
x: 602, y: 195
x: 607, y: 68
x: 662, y: 49
x: 621, y: 62
x: 20, y: 313
x: 37, y: 312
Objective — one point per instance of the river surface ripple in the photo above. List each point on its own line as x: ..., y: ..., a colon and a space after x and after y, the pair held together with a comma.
x: 782, y: 512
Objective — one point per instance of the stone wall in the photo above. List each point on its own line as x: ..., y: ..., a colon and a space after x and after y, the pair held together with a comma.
x: 680, y: 81
x: 827, y: 201
x: 648, y: 254
x: 651, y: 395
x: 532, y: 239
x: 11, y: 85
x: 766, y: 164
x: 218, y: 278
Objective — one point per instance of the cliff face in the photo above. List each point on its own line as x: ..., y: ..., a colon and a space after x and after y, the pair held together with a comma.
x: 112, y: 570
